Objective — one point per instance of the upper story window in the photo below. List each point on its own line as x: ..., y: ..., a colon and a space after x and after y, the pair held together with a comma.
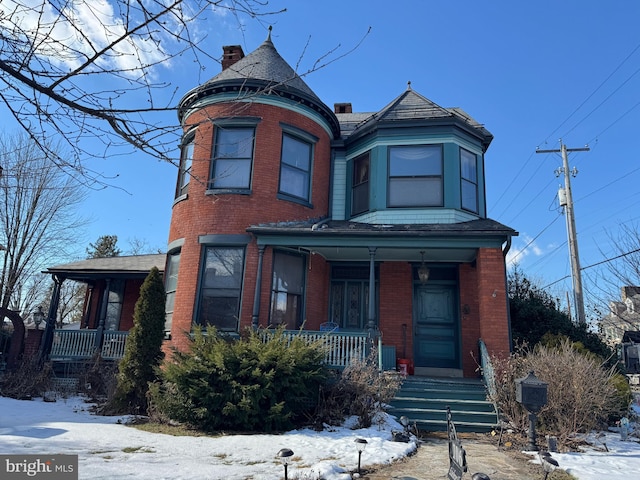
x: 186, y: 161
x: 468, y: 180
x: 415, y: 176
x: 296, y: 163
x: 232, y: 157
x: 114, y: 304
x: 221, y: 288
x: 360, y: 185
x: 287, y: 289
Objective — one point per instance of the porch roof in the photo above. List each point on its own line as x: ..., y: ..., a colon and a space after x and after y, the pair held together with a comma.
x: 344, y: 240
x: 132, y: 266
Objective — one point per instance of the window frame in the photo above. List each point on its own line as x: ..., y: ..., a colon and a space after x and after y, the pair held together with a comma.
x: 302, y: 137
x: 361, y: 185
x: 473, y: 183
x: 228, y: 125
x: 276, y: 291
x: 187, y: 148
x: 199, y: 314
x: 171, y: 286
x: 427, y: 177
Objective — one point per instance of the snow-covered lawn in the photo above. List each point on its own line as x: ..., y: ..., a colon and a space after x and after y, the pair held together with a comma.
x: 107, y: 449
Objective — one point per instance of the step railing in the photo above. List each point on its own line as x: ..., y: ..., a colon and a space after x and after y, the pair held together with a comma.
x: 340, y: 347
x: 488, y: 373
x: 81, y: 344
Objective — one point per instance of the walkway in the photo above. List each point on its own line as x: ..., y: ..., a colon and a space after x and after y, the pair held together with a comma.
x: 431, y: 462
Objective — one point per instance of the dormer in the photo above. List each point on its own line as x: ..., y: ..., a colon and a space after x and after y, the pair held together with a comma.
x: 412, y: 162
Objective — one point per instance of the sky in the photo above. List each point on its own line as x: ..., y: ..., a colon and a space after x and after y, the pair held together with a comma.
x: 107, y: 449
x: 532, y: 72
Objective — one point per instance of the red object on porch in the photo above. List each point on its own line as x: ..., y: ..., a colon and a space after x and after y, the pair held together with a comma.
x: 403, y: 365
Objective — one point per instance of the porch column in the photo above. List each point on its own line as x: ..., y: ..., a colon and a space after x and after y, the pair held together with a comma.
x: 103, y: 313
x: 256, y: 295
x: 50, y: 323
x: 371, y: 314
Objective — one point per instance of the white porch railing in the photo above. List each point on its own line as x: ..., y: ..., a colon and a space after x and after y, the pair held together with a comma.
x: 81, y: 344
x: 340, y: 347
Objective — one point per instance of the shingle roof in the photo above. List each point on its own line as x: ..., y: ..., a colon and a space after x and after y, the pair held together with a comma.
x: 266, y: 64
x: 409, y: 106
x: 133, y: 264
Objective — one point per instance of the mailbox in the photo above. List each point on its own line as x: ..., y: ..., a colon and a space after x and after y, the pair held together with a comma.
x: 531, y: 392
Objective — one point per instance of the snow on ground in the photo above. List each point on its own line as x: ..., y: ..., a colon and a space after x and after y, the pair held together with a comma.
x: 107, y: 449
x: 608, y: 457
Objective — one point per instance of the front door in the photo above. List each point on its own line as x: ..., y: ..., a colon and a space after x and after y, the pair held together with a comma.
x: 436, y: 327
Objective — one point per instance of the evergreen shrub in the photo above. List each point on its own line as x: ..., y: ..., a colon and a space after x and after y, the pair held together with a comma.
x: 245, y: 384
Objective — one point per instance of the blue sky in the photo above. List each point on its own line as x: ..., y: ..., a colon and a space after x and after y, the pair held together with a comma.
x: 531, y: 72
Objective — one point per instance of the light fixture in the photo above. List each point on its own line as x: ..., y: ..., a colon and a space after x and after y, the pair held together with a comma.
x: 38, y: 317
x: 423, y: 271
x: 361, y: 443
x: 284, y: 455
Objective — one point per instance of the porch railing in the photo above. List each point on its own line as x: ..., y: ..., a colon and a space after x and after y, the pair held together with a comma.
x: 81, y: 344
x: 340, y: 347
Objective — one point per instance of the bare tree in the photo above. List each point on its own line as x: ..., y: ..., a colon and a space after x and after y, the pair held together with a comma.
x: 38, y: 220
x: 78, y: 69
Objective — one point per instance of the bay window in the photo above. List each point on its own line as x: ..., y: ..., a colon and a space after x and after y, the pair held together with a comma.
x: 415, y: 176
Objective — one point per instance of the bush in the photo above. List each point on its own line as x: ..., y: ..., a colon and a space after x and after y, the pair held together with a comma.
x: 241, y: 385
x: 582, y: 394
x: 361, y: 390
x: 30, y: 379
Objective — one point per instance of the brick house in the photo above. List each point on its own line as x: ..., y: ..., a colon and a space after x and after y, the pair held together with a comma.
x: 288, y: 212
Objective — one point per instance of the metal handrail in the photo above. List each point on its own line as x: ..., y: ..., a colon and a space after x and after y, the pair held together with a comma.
x: 488, y: 373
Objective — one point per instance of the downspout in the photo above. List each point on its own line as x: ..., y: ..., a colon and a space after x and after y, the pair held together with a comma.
x: 371, y: 314
x: 256, y: 295
x: 505, y: 251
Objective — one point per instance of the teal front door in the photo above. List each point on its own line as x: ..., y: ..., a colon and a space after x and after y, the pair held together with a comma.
x: 436, y: 327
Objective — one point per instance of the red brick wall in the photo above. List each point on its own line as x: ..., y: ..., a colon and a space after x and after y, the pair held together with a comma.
x: 492, y: 301
x: 32, y: 342
x: 202, y: 214
x: 470, y: 319
x: 396, y: 304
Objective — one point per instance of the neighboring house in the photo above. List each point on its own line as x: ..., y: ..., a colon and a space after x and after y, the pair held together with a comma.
x: 623, y: 316
x: 288, y: 212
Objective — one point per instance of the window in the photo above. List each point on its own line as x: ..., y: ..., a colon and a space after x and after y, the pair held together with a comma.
x: 469, y: 181
x: 232, y: 158
x: 114, y: 304
x: 186, y: 161
x: 295, y: 167
x: 287, y: 290
x: 415, y: 176
x: 221, y: 287
x: 171, y: 285
x: 360, y: 185
x: 349, y: 302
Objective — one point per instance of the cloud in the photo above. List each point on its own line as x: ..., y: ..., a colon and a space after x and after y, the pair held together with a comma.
x: 524, y: 246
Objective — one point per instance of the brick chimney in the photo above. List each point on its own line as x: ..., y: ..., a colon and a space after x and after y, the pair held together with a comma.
x: 342, y: 108
x: 231, y: 54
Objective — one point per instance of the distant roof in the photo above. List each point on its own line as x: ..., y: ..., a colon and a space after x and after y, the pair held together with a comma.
x: 124, y: 266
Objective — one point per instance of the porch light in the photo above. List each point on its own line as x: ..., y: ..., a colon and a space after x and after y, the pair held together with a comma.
x: 38, y: 317
x: 361, y: 443
x: 423, y: 271
x: 284, y: 455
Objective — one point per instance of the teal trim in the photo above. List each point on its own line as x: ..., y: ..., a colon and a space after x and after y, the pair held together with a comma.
x: 175, y: 244
x: 451, y: 152
x: 273, y: 100
x: 221, y: 239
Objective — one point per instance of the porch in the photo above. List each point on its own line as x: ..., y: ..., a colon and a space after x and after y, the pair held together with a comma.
x: 78, y: 345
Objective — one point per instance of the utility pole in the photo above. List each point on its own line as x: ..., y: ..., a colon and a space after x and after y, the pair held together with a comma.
x: 567, y: 202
